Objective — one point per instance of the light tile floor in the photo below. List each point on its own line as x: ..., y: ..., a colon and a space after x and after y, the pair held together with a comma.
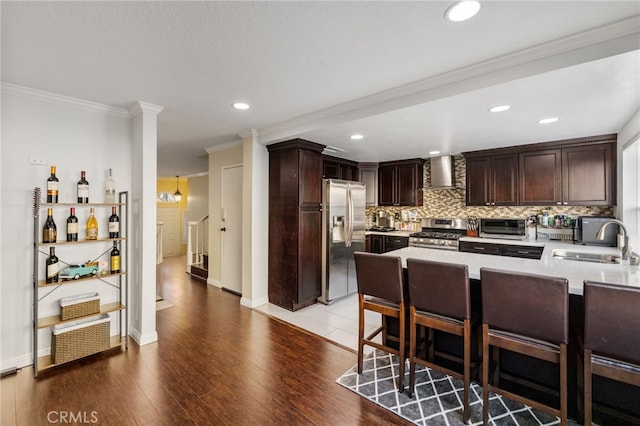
x: 337, y: 322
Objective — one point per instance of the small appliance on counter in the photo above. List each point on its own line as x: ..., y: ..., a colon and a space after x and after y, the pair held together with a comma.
x: 587, y: 226
x: 510, y: 229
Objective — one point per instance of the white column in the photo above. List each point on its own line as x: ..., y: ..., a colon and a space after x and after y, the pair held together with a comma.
x: 142, y: 244
x: 255, y: 220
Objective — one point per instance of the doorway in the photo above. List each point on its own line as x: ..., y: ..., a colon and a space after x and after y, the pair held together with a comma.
x: 231, y: 229
x: 170, y: 218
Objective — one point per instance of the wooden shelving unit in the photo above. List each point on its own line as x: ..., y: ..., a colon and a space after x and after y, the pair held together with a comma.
x: 43, y: 289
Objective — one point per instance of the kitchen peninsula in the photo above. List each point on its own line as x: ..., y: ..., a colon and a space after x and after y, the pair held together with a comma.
x: 574, y: 271
x: 619, y: 397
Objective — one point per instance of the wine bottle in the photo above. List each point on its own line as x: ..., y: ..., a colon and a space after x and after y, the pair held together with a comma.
x: 52, y: 266
x: 110, y: 189
x: 92, y: 226
x: 72, y: 225
x: 114, y: 224
x: 49, y: 230
x: 83, y: 189
x: 115, y: 258
x: 52, y: 186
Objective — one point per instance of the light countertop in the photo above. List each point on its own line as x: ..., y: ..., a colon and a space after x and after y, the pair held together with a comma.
x: 574, y: 271
x: 392, y: 233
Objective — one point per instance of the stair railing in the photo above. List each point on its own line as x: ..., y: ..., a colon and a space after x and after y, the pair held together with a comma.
x: 197, y: 241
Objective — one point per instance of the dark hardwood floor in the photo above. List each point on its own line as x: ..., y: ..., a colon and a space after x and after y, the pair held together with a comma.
x: 215, y: 362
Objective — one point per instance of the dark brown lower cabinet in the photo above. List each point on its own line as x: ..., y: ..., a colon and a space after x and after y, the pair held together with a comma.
x: 383, y: 243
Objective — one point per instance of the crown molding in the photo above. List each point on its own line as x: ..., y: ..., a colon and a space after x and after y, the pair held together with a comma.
x: 140, y: 107
x: 224, y: 146
x: 41, y: 95
x: 251, y: 133
x: 596, y: 43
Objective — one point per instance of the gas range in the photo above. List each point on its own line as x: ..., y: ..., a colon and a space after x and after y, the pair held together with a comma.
x: 439, y: 234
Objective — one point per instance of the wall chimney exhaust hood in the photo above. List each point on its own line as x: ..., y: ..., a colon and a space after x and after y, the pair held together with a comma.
x: 442, y: 173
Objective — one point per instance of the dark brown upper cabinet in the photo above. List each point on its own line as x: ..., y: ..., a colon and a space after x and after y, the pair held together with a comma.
x: 492, y: 180
x: 339, y: 168
x: 578, y: 172
x: 400, y: 183
x: 579, y: 175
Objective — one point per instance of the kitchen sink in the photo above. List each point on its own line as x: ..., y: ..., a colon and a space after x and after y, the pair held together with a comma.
x: 586, y: 257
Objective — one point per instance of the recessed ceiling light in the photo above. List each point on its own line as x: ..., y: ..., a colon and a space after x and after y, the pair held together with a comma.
x: 500, y: 108
x: 357, y: 137
x: 434, y: 152
x: 548, y: 120
x: 462, y: 10
x: 241, y: 105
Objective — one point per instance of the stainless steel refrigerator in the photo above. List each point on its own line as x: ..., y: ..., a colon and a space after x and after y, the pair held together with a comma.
x: 343, y: 225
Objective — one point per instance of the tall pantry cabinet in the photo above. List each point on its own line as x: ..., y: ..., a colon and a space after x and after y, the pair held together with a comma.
x: 295, y: 227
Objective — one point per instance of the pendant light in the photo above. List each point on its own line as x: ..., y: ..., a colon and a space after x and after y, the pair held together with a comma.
x: 177, y: 195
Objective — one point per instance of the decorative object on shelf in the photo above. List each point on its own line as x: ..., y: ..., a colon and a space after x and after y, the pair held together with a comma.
x: 72, y: 225
x: 83, y: 189
x: 114, y: 224
x: 52, y: 266
x: 80, y: 338
x: 177, y: 195
x: 76, y: 271
x: 92, y: 226
x: 49, y: 230
x: 115, y: 258
x: 52, y: 186
x: 110, y: 189
x: 79, y: 306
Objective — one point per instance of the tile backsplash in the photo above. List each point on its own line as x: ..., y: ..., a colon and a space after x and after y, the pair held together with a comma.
x: 450, y: 203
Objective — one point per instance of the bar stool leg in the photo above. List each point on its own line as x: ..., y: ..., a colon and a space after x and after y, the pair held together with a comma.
x: 402, y: 345
x: 467, y: 369
x: 412, y: 351
x: 485, y: 374
x: 587, y: 387
x: 360, y: 332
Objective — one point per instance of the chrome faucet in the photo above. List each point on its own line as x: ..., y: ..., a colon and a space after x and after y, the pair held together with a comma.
x: 626, y: 250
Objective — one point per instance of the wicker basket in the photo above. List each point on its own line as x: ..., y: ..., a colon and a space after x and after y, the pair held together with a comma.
x: 79, y: 306
x: 80, y: 338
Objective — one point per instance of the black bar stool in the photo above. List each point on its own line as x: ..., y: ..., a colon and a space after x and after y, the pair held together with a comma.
x: 380, y: 289
x: 439, y: 298
x: 611, y: 336
x: 527, y: 314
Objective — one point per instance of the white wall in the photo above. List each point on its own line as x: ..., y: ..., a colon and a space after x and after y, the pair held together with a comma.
x: 198, y: 198
x: 629, y: 179
x: 73, y: 135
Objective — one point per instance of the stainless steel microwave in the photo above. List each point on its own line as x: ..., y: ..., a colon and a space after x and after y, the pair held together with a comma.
x: 512, y: 229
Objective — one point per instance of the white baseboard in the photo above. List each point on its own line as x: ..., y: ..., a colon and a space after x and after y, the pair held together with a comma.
x: 145, y: 339
x: 214, y: 282
x: 252, y: 303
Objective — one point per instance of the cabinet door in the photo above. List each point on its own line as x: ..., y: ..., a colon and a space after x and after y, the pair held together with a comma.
x: 331, y: 170
x: 309, y: 255
x: 480, y: 248
x: 478, y: 174
x: 370, y: 179
x: 386, y: 185
x: 409, y: 185
x: 587, y: 176
x: 377, y: 244
x: 310, y: 185
x: 504, y: 180
x: 395, y: 243
x: 540, y: 177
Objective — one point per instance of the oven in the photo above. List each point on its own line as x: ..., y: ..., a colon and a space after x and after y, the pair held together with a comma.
x: 440, y: 234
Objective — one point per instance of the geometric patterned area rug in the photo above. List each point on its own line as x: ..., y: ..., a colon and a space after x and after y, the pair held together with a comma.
x: 437, y: 398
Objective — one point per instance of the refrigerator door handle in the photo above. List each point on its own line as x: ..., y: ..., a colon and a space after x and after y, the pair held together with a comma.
x: 349, y: 233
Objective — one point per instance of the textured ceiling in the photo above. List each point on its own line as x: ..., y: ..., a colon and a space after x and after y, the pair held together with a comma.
x: 395, y: 71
